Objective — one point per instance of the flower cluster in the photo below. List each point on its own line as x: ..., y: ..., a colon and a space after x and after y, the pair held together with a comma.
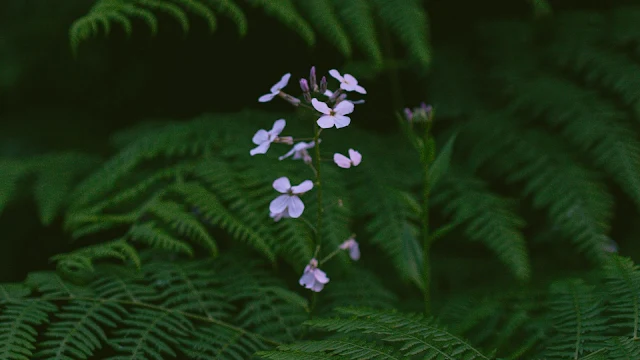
x: 330, y: 109
x: 422, y: 113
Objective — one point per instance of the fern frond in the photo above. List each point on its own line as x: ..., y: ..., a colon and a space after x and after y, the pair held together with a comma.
x: 82, y: 260
x: 360, y: 288
x: 18, y: 323
x: 323, y: 16
x: 216, y: 343
x: 236, y: 14
x: 285, y: 11
x: 151, y: 235
x: 487, y: 218
x: 623, y: 287
x: 196, y: 7
x: 358, y: 20
x: 169, y: 8
x: 12, y: 170
x: 343, y: 348
x: 408, y: 20
x: 578, y: 320
x: 410, y: 335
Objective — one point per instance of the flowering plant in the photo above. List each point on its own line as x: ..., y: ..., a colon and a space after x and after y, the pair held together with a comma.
x: 329, y: 112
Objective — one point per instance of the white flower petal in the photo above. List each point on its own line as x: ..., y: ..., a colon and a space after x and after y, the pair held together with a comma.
x: 326, y: 122
x: 278, y: 204
x: 307, y: 279
x: 282, y: 185
x: 260, y: 137
x: 278, y: 126
x: 341, y: 121
x: 355, y: 157
x: 317, y: 286
x: 336, y: 75
x: 350, y: 79
x: 341, y: 161
x: 295, y: 206
x: 328, y: 93
x: 344, y: 108
x: 289, y: 153
x: 320, y: 276
x: 284, y: 80
x: 260, y: 149
x: 360, y: 89
x: 320, y: 106
x: 266, y: 97
x: 303, y: 187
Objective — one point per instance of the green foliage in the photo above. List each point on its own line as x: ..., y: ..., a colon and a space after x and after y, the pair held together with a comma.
x: 341, y: 23
x: 151, y: 314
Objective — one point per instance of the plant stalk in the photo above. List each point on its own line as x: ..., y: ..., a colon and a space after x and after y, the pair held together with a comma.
x: 427, y: 157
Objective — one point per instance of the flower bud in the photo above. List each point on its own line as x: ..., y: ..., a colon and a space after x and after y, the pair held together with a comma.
x: 335, y: 95
x: 304, y: 85
x: 288, y: 140
x: 340, y: 98
x: 312, y: 79
x: 408, y: 114
x: 323, y: 85
x: 290, y: 99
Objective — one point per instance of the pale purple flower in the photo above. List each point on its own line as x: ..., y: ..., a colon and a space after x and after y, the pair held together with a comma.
x: 289, y: 201
x: 275, y: 89
x: 344, y: 162
x: 333, y: 117
x: 347, y: 82
x: 313, y: 278
x: 351, y: 245
x: 264, y: 138
x: 299, y: 151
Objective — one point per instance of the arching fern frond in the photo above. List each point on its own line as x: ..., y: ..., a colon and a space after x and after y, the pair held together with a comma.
x: 380, y: 335
x: 322, y: 15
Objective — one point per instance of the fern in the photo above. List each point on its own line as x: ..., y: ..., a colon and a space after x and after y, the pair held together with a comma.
x: 411, y: 336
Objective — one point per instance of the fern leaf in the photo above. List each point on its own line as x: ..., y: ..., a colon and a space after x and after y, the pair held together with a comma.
x: 343, y: 348
x: 487, y: 218
x: 12, y: 171
x: 202, y: 10
x: 357, y: 17
x: 322, y: 14
x: 155, y: 237
x: 79, y: 332
x: 218, y: 343
x: 408, y: 20
x: 173, y: 10
x: 623, y: 348
x: 357, y: 287
x: 18, y: 323
x: 623, y: 286
x: 285, y: 11
x: 82, y: 260
x: 578, y: 320
x: 233, y: 11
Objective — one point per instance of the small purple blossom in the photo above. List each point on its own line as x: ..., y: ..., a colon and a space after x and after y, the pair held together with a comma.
x: 313, y: 278
x: 344, y: 162
x: 354, y: 250
x: 299, y: 151
x: 347, y: 82
x: 289, y: 201
x: 333, y: 117
x: 275, y: 89
x: 264, y: 138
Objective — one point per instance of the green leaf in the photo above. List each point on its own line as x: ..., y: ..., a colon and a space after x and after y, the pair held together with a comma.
x: 441, y: 164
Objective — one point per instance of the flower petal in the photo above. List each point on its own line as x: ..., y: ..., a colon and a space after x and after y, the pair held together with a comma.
x: 341, y: 121
x: 354, y: 252
x: 303, y: 187
x: 360, y: 89
x: 289, y: 153
x: 328, y: 93
x: 317, y: 287
x: 320, y: 276
x: 336, y: 75
x: 278, y: 204
x: 341, y: 161
x: 307, y: 279
x: 355, y: 157
x: 284, y: 80
x: 278, y: 126
x: 350, y: 79
x: 320, y: 106
x: 326, y: 121
x: 260, y: 149
x: 260, y: 137
x: 266, y: 97
x: 344, y: 108
x: 282, y: 185
x: 295, y: 206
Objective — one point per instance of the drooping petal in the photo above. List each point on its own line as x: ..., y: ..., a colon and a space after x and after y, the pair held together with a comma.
x: 336, y: 75
x: 282, y: 185
x: 295, y: 206
x: 278, y: 204
x: 284, y: 80
x: 260, y: 137
x: 344, y: 108
x: 266, y: 97
x: 260, y: 149
x: 307, y: 279
x: 303, y: 187
x: 326, y: 121
x: 341, y: 120
x: 289, y: 153
x: 278, y: 126
x: 354, y: 251
x: 341, y: 161
x: 320, y: 106
x: 317, y: 286
x: 360, y: 89
x: 320, y: 276
x: 355, y: 157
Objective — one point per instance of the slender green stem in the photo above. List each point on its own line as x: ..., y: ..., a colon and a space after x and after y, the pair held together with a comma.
x: 318, y: 185
x: 427, y: 158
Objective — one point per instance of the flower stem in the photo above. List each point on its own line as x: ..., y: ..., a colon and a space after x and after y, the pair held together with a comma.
x: 318, y: 184
x: 427, y: 157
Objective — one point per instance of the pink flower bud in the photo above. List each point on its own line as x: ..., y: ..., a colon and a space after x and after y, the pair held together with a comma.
x: 304, y: 85
x: 288, y: 140
x: 323, y: 85
x: 290, y: 99
x: 312, y: 79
